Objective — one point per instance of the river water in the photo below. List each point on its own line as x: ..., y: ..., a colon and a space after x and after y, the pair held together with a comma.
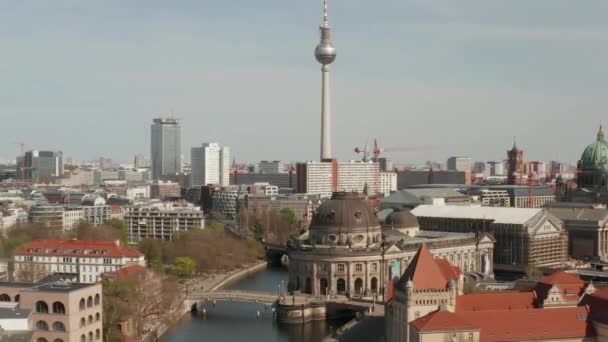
x: 235, y: 321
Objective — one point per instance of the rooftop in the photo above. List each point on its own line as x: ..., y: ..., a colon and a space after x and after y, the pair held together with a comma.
x: 500, y: 215
x: 87, y: 248
x: 496, y: 301
x: 441, y: 320
x: 530, y: 324
x: 8, y: 313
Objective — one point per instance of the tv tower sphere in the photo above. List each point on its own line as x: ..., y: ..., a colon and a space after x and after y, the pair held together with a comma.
x: 325, y: 52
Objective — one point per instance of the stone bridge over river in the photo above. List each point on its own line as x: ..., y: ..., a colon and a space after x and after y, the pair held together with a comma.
x: 296, y: 308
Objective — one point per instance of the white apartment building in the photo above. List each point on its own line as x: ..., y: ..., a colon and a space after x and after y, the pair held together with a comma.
x: 388, y: 182
x: 72, y: 217
x: 210, y: 164
x: 74, y: 260
x: 323, y: 178
x: 161, y: 221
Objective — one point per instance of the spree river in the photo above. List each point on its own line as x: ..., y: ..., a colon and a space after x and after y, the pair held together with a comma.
x: 235, y: 321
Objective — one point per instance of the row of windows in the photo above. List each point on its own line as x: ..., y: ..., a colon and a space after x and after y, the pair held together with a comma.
x: 84, y: 321
x: 70, y: 260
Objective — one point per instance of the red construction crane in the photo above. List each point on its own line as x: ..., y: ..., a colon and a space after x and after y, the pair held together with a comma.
x: 377, y: 151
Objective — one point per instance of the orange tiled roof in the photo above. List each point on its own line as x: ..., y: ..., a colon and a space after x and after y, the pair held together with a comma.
x: 127, y: 272
x: 425, y: 272
x: 441, y: 320
x: 571, y: 285
x: 496, y: 301
x: 88, y: 248
x: 598, y: 305
x: 531, y: 324
x: 562, y: 278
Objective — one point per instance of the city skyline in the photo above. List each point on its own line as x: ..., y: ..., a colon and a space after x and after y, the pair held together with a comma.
x: 480, y: 62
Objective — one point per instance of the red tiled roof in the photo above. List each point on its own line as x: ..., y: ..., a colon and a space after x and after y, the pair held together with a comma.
x: 88, y: 248
x: 127, y: 272
x: 531, y: 324
x: 425, y: 272
x: 496, y: 301
x: 598, y: 305
x: 448, y: 271
x: 441, y: 320
x: 562, y: 278
x: 571, y: 285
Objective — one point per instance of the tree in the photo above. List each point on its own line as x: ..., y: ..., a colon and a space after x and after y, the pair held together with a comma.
x: 116, y: 307
x: 30, y: 272
x: 152, y: 251
x: 184, y: 267
x: 258, y: 229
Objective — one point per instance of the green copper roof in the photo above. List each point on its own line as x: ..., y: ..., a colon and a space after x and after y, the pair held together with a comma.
x: 595, y: 155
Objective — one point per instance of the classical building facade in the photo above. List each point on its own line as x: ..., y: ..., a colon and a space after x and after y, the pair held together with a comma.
x: 347, y: 251
x: 74, y: 260
x: 61, y: 312
x: 523, y: 235
x: 428, y: 304
x: 587, y: 229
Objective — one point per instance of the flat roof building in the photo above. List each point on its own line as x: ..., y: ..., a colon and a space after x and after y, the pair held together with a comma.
x: 524, y: 236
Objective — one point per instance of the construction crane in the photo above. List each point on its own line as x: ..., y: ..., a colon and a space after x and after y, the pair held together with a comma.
x: 375, y: 154
x: 377, y: 151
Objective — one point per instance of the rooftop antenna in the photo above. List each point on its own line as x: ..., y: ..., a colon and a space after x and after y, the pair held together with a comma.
x: 325, y: 17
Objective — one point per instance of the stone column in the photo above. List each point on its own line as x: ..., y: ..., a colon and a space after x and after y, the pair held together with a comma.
x: 315, y: 281
x: 331, y: 283
x: 366, y: 278
x: 349, y: 278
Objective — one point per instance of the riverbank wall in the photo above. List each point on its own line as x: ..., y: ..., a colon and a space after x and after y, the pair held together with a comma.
x: 213, y: 284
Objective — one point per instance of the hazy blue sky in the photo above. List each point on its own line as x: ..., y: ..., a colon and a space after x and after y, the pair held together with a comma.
x: 87, y: 77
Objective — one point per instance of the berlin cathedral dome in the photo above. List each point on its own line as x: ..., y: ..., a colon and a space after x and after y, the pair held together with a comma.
x: 593, y: 165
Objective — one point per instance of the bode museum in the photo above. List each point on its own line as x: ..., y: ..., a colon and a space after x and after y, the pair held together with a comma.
x: 347, y: 250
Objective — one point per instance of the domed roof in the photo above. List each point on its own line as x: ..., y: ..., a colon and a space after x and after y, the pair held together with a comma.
x: 401, y: 217
x: 595, y: 155
x: 344, y: 211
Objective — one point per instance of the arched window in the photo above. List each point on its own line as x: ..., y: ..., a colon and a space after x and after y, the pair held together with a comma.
x: 41, y: 307
x: 97, y: 317
x: 90, y: 319
x: 83, y: 338
x: 90, y: 337
x: 83, y: 322
x: 41, y: 325
x: 41, y: 339
x: 82, y: 305
x: 58, y: 326
x: 57, y: 340
x: 97, y: 334
x: 90, y: 302
x: 97, y: 299
x: 17, y: 298
x: 5, y: 298
x: 58, y: 308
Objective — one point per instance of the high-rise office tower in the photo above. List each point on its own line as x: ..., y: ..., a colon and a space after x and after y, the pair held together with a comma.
x: 43, y: 166
x: 210, y: 164
x: 166, y: 150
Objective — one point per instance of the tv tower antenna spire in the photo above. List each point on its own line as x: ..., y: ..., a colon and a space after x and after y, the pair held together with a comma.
x: 325, y: 53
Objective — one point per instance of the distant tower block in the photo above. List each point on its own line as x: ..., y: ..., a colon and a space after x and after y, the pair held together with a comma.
x: 325, y: 53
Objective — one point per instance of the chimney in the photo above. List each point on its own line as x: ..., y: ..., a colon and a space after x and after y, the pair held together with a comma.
x: 117, y: 243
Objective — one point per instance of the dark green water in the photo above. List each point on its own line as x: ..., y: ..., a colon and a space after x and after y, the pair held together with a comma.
x: 229, y: 321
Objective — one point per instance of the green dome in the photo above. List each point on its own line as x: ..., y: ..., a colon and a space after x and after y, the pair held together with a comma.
x: 595, y: 155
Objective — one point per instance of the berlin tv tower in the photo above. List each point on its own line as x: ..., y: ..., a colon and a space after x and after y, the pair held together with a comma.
x: 325, y: 53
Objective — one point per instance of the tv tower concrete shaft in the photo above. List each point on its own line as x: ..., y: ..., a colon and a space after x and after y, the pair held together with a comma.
x: 325, y: 53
